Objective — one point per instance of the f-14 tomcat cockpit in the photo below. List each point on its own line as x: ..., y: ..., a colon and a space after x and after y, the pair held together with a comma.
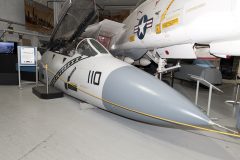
x: 86, y: 47
x: 90, y: 47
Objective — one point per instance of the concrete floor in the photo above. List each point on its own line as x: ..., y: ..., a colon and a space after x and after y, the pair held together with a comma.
x: 65, y: 129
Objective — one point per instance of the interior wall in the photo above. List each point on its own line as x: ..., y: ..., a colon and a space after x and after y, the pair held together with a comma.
x: 12, y: 10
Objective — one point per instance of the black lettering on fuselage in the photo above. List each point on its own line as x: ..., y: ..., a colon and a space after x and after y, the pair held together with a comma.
x: 94, y: 77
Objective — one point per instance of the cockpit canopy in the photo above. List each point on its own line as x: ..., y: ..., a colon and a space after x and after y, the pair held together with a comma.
x: 90, y: 47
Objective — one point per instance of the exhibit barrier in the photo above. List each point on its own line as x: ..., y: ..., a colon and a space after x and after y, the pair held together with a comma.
x: 47, y: 85
x: 207, y: 84
x: 236, y: 103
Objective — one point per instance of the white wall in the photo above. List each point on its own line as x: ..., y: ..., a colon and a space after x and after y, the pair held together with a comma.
x: 12, y: 10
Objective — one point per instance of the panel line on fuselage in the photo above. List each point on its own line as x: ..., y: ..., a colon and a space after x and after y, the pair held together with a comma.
x: 64, y: 68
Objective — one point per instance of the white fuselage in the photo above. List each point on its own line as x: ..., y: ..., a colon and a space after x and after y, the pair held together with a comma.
x: 82, y: 77
x: 162, y: 23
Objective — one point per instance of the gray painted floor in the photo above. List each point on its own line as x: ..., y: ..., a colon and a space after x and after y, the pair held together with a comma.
x: 65, y: 129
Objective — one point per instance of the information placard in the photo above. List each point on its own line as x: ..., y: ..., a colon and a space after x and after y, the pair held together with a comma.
x: 27, y: 56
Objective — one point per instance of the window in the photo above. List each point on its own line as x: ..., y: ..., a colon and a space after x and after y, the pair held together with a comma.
x: 98, y: 46
x: 85, y: 49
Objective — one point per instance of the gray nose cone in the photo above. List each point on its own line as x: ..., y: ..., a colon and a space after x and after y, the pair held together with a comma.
x: 137, y: 90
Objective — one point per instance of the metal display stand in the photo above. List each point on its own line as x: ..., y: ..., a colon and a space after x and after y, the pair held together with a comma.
x: 27, y: 63
x: 236, y: 104
x: 235, y: 101
x: 208, y: 84
x: 46, y: 91
x: 46, y: 70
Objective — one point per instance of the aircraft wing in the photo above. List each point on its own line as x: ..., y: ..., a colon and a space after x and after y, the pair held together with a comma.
x: 105, y: 28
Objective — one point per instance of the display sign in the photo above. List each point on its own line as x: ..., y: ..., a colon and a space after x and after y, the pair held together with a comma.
x: 27, y: 56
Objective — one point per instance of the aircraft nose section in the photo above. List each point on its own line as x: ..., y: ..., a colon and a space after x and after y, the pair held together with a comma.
x: 141, y: 92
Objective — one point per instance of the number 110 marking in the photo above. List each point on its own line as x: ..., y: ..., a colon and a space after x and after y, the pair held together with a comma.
x: 94, y: 77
